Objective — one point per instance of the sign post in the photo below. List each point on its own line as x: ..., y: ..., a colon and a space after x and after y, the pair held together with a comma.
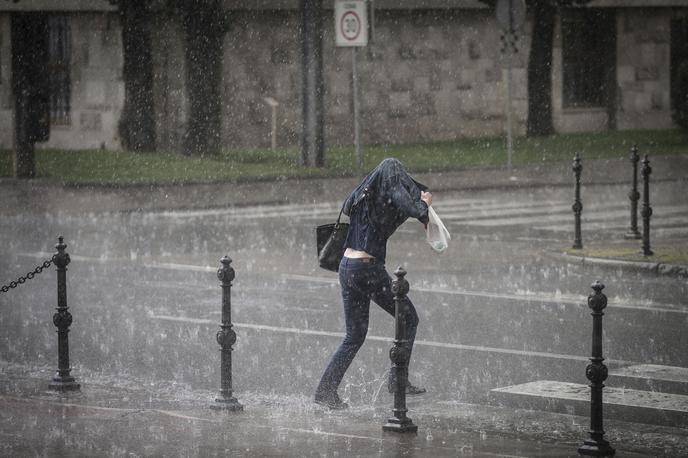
x: 510, y: 16
x: 351, y: 30
x: 273, y: 104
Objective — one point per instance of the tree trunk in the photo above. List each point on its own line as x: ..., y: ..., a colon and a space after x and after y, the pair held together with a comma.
x: 312, y: 136
x: 540, y: 69
x: 204, y: 27
x: 137, y: 122
x: 30, y: 87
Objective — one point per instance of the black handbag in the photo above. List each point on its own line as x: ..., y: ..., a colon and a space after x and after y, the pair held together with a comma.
x: 330, y: 240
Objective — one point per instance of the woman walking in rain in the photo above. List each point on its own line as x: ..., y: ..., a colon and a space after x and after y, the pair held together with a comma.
x: 385, y: 198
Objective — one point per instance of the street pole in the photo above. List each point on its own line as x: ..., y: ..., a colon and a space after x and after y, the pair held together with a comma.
x: 510, y: 16
x: 509, y: 140
x: 354, y: 74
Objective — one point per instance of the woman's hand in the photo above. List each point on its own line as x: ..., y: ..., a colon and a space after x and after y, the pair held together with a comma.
x: 426, y: 197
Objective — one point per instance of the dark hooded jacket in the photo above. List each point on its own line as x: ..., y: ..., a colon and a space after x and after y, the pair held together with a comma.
x: 386, y: 198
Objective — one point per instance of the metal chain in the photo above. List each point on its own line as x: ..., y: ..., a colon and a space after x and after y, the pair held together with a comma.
x: 29, y: 276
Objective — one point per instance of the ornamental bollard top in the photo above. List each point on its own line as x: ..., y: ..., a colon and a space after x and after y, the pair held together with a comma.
x: 597, y: 373
x: 577, y: 206
x: 226, y: 337
x: 399, y: 355
x: 646, y: 212
x: 62, y: 380
x: 634, y: 196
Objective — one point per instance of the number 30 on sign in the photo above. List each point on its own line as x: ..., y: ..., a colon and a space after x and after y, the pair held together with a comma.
x: 351, y: 23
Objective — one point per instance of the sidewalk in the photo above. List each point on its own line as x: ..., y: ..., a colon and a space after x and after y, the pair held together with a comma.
x: 46, y: 196
x: 114, y: 421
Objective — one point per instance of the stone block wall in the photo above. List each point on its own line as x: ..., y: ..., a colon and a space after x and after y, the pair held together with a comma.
x: 426, y: 76
x: 643, y: 72
x: 262, y: 58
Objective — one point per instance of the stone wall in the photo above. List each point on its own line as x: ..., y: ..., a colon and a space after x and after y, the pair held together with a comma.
x: 262, y: 58
x: 643, y: 70
x: 428, y: 75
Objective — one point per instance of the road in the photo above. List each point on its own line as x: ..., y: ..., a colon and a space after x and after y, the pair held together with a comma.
x: 497, y: 308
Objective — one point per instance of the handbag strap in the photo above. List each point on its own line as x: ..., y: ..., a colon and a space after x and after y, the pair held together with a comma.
x: 366, y: 193
x: 340, y: 215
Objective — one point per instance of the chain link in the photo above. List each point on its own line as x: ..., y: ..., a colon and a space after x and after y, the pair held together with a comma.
x: 28, y: 276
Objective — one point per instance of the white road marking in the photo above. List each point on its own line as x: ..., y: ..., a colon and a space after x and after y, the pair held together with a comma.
x: 182, y: 416
x: 531, y: 297
x: 340, y: 335
x: 544, y: 297
x: 182, y: 267
x: 329, y: 434
x: 65, y: 404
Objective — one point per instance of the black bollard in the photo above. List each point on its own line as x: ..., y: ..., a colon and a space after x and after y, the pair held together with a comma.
x: 597, y: 373
x: 226, y: 337
x: 646, y: 212
x: 577, y: 205
x: 634, y: 196
x: 400, y: 423
x: 62, y: 319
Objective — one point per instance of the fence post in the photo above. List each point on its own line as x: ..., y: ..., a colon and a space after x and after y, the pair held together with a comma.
x: 577, y: 205
x: 634, y: 196
x: 597, y: 373
x: 226, y: 337
x: 646, y: 212
x: 62, y: 380
x: 398, y: 354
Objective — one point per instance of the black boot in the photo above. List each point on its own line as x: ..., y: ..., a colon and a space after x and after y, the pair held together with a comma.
x: 412, y: 390
x: 331, y: 401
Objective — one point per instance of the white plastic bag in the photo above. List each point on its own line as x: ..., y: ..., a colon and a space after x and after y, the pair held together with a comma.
x: 437, y: 234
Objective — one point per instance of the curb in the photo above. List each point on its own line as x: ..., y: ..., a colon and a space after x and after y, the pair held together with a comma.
x: 658, y: 268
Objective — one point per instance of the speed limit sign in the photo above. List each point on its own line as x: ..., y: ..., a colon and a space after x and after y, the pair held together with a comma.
x: 351, y: 23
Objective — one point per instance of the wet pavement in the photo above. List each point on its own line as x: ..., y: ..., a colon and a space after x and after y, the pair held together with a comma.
x: 104, y: 420
x: 496, y: 309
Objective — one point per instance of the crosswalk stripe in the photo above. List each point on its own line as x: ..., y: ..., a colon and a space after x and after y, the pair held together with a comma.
x: 665, y: 224
x: 516, y: 210
x: 552, y: 215
x: 586, y: 217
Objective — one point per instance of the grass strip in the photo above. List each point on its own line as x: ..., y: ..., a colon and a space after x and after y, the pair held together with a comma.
x: 676, y: 254
x: 127, y: 168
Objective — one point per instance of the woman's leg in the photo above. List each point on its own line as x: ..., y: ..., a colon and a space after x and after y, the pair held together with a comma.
x: 356, y: 314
